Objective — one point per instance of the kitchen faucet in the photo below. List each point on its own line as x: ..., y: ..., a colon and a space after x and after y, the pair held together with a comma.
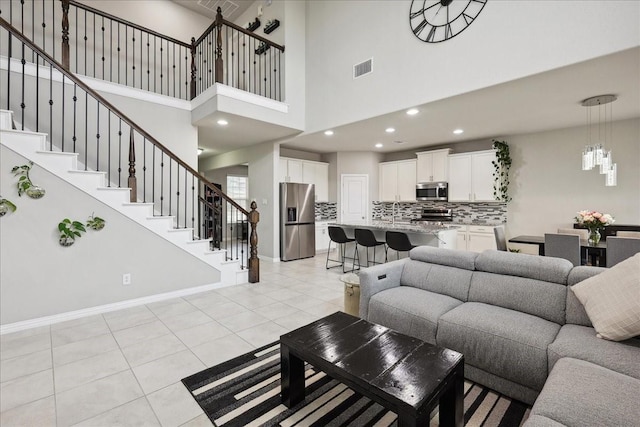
x: 393, y: 212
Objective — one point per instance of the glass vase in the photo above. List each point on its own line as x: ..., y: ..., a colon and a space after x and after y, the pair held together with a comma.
x: 594, y: 237
x: 35, y: 192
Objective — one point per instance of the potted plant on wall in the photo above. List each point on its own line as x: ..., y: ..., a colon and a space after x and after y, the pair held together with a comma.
x: 6, y: 206
x: 24, y: 182
x: 96, y: 223
x: 501, y: 165
x: 69, y: 230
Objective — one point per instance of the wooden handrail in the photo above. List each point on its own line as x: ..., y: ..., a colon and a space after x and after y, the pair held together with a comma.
x: 18, y: 35
x: 125, y: 22
x: 221, y: 21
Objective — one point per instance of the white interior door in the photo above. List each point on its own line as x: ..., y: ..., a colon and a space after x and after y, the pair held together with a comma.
x: 354, y: 201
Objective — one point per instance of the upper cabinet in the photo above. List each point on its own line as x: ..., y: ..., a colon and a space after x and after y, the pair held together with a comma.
x: 433, y: 166
x: 398, y: 181
x: 308, y: 172
x: 471, y: 177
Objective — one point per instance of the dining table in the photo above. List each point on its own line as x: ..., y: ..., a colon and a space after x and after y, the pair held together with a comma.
x: 595, y: 254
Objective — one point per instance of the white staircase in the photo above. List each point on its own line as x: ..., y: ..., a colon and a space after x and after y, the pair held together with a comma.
x: 31, y: 145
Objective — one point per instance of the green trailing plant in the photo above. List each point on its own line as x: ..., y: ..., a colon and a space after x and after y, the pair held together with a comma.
x: 24, y: 183
x: 69, y: 230
x: 6, y: 206
x: 95, y: 222
x: 501, y: 165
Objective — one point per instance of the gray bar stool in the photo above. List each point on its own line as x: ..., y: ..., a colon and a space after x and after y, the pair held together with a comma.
x: 398, y: 241
x: 366, y: 238
x: 337, y: 235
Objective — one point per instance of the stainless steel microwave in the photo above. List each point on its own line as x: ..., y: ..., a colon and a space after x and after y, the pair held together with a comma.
x: 432, y: 191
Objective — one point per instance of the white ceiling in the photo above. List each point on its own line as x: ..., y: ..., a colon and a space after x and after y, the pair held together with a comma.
x: 550, y: 100
x: 231, y: 9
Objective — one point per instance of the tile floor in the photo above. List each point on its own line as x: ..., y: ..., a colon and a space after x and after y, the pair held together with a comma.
x: 125, y: 367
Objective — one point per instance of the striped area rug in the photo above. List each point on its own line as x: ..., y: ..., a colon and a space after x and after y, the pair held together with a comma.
x: 245, y: 391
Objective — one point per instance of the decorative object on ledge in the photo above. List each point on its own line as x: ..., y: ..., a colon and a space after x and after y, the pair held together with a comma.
x: 595, y: 153
x: 24, y: 182
x: 96, y: 223
x: 252, y: 26
x: 594, y: 221
x: 69, y: 230
x: 271, y: 25
x: 6, y: 206
x: 501, y: 164
x: 262, y: 48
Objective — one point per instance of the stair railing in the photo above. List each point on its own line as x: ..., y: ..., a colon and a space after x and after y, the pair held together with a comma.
x: 52, y: 100
x: 96, y: 44
x: 229, y: 54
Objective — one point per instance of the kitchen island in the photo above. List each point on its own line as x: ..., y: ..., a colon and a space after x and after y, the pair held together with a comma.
x: 419, y: 233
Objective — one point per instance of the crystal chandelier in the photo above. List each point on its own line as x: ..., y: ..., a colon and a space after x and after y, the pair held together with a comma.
x: 598, y: 134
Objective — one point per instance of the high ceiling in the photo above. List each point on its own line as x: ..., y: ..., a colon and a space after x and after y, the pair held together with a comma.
x: 231, y: 9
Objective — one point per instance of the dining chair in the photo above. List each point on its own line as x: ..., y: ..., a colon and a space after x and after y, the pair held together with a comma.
x: 583, y: 233
x: 565, y: 246
x: 629, y: 234
x: 621, y: 248
x: 501, y: 239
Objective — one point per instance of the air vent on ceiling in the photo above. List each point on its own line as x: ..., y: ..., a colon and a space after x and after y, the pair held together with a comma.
x: 363, y: 68
x: 228, y: 7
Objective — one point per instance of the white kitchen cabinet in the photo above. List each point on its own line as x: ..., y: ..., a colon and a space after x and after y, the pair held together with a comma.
x: 471, y: 177
x: 322, y: 236
x: 290, y: 170
x: 307, y: 172
x: 398, y: 181
x: 433, y: 166
x: 476, y: 238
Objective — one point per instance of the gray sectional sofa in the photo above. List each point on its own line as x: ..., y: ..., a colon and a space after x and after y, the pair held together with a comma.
x: 521, y: 329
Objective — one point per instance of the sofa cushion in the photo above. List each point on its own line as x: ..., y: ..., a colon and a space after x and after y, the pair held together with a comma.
x: 540, y: 421
x: 440, y: 279
x: 576, y: 313
x: 498, y: 340
x: 409, y: 310
x: 612, y: 300
x: 441, y: 256
x: 579, y: 393
x: 539, y: 298
x: 536, y: 267
x: 580, y: 342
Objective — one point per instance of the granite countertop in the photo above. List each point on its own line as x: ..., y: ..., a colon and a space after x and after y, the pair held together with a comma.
x: 417, y: 227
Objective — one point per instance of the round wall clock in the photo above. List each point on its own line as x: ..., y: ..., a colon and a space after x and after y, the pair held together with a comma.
x: 435, y: 21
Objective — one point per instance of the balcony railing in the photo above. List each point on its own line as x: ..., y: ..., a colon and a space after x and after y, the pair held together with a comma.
x: 93, y: 43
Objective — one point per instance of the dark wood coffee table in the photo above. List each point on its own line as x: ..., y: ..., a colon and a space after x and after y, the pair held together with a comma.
x: 405, y: 375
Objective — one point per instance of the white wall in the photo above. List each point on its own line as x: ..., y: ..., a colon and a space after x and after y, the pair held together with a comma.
x: 509, y: 39
x: 549, y: 187
x: 38, y: 277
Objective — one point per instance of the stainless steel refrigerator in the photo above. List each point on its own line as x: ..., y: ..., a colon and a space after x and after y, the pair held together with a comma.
x: 297, y: 221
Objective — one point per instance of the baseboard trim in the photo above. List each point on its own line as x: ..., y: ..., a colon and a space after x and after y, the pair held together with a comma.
x: 76, y: 314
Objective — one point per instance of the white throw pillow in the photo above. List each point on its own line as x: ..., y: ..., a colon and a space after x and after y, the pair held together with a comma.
x: 612, y: 300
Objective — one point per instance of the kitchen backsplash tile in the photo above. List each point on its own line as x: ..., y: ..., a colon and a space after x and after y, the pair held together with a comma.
x: 326, y: 211
x: 462, y: 212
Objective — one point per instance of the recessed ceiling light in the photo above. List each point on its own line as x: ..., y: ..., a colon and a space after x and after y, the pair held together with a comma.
x: 200, y: 151
x: 328, y: 132
x: 398, y: 142
x: 389, y: 130
x: 413, y: 111
x: 223, y: 122
x: 458, y: 131
x: 379, y: 145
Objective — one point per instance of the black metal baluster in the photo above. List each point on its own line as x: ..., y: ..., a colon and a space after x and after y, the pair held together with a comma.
x: 111, y: 50
x: 148, y: 70
x: 141, y: 57
x: 86, y: 127
x: 22, y: 104
x: 119, y: 152
x: 161, y: 182
x: 50, y: 107
x: 174, y: 70
x: 103, y: 58
x: 153, y: 175
x: 161, y: 88
x: 75, y: 104
x: 98, y: 136
x: 177, y: 195
x: 53, y: 14
x: 170, y: 211
x: 118, y: 49
x: 154, y: 63
x: 37, y: 97
x: 144, y: 169
x: 85, y: 42
x: 185, y: 198
x: 126, y: 55
x: 75, y: 35
x: 133, y: 57
x: 9, y: 52
x: 109, y: 149
x: 63, y: 122
x: 94, y: 45
x: 193, y: 201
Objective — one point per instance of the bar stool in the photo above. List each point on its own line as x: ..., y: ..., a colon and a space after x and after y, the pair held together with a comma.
x: 337, y: 235
x: 398, y: 241
x: 366, y: 238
